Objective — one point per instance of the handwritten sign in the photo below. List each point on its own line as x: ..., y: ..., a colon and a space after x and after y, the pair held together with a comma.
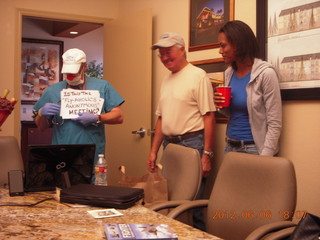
x: 74, y: 102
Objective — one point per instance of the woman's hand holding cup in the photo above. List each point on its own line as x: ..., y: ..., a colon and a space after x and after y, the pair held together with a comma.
x: 218, y: 99
x: 222, y: 97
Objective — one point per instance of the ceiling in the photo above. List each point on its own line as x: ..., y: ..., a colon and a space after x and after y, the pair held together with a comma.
x: 58, y: 28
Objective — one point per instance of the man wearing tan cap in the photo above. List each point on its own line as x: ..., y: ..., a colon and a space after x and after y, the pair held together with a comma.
x: 186, y: 109
x: 88, y: 127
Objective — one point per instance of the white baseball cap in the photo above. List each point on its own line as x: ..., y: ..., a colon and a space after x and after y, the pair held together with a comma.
x: 168, y: 40
x: 72, y: 60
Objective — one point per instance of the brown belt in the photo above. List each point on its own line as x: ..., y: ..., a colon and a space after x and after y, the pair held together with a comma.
x: 238, y: 143
x: 179, y: 138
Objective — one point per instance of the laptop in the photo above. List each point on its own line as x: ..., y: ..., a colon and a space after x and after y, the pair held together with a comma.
x: 47, y: 166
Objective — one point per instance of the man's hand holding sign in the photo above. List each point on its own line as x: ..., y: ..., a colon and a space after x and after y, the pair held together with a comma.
x: 82, y: 106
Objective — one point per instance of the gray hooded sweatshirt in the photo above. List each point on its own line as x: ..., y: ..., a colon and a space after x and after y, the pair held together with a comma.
x: 264, y: 106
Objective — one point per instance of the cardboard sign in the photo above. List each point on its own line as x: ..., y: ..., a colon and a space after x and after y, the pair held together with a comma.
x: 74, y: 102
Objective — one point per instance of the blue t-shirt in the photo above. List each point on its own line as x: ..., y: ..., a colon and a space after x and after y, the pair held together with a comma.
x: 238, y: 124
x: 70, y: 132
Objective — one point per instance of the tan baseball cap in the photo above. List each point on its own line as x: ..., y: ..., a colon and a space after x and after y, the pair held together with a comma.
x: 168, y: 40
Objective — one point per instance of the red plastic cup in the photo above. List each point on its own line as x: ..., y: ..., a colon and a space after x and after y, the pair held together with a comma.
x: 226, y: 93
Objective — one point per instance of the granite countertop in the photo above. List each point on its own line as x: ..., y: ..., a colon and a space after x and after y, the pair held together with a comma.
x: 54, y: 220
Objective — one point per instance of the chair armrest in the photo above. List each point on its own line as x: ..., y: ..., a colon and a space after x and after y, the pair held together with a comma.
x: 167, y: 204
x: 281, y: 234
x: 268, y: 228
x: 186, y: 206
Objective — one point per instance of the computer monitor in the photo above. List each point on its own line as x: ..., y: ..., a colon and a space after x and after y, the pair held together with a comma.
x: 47, y: 164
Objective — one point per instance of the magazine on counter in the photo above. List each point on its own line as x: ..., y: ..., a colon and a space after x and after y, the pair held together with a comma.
x: 139, y: 231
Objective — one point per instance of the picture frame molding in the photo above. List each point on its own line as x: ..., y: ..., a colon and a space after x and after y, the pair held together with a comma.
x: 231, y: 9
x: 262, y: 30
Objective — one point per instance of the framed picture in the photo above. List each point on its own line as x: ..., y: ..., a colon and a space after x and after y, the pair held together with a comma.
x: 215, y: 70
x: 206, y: 19
x: 40, y: 67
x: 289, y: 34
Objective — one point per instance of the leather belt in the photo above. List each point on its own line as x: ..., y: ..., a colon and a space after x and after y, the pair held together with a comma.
x: 238, y: 143
x: 179, y: 138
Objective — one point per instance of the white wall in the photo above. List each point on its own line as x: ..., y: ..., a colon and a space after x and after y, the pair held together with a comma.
x: 300, y: 136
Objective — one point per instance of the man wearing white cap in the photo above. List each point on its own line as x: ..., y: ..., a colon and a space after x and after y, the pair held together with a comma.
x: 186, y: 108
x: 88, y: 127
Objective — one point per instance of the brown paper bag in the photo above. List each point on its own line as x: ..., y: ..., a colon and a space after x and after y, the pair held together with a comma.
x: 154, y: 185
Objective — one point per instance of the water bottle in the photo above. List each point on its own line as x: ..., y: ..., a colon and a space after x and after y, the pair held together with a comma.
x: 100, y: 171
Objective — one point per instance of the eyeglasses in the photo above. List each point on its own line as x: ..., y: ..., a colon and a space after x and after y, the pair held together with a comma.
x: 166, y: 54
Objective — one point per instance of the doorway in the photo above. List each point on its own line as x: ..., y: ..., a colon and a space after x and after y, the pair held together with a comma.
x: 129, y: 69
x: 89, y: 39
x: 52, y: 30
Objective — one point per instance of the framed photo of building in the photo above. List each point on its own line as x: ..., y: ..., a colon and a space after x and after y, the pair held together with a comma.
x: 40, y: 67
x: 289, y: 34
x: 215, y: 71
x: 206, y: 18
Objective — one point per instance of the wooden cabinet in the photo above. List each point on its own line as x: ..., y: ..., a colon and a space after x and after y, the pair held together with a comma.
x: 31, y: 135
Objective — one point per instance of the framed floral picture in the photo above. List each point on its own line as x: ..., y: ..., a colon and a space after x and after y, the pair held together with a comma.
x: 40, y: 67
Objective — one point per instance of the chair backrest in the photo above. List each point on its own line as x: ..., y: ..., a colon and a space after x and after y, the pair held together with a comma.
x: 250, y: 191
x: 10, y: 157
x: 183, y: 171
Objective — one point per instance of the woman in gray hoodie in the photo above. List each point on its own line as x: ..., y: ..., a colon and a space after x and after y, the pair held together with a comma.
x: 255, y: 112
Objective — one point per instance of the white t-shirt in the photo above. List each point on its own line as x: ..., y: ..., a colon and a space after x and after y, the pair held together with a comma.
x: 184, y: 97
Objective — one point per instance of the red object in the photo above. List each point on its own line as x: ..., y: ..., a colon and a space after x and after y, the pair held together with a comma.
x: 6, y: 108
x: 3, y: 117
x: 226, y: 92
x: 70, y: 77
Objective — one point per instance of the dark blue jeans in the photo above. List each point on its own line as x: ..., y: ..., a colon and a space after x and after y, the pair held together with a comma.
x: 195, y: 142
x: 250, y: 148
